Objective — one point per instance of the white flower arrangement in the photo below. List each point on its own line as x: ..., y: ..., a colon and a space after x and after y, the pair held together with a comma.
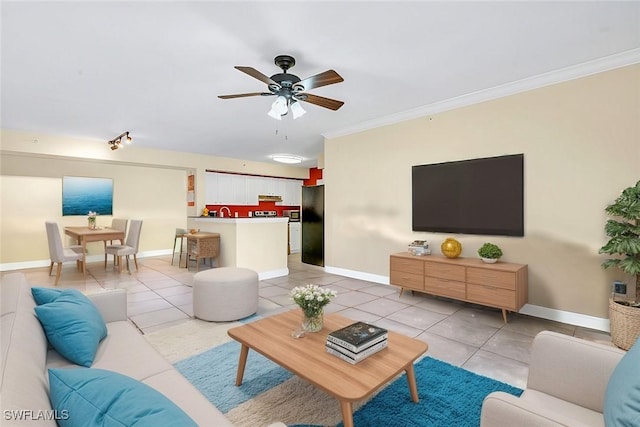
x: 92, y: 219
x: 312, y: 298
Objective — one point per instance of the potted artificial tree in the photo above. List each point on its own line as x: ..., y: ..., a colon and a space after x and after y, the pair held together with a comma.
x: 624, y: 243
x: 490, y: 253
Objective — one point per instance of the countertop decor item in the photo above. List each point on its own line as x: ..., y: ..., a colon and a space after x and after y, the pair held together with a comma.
x: 451, y: 248
x: 490, y: 253
x: 624, y: 242
x: 312, y: 299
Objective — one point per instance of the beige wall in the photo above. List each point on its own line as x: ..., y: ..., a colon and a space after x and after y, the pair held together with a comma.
x: 157, y: 196
x: 148, y: 184
x: 581, y: 142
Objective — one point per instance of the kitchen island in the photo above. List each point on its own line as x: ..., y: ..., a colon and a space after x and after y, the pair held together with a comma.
x: 256, y: 243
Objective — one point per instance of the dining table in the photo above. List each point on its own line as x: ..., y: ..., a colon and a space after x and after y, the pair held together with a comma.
x: 84, y: 235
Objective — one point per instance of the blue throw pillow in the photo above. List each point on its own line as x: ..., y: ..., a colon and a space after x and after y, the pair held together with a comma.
x: 96, y: 397
x: 45, y: 295
x: 73, y: 325
x: 622, y: 398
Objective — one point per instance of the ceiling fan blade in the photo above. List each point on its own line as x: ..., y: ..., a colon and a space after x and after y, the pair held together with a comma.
x: 243, y: 95
x: 329, y: 77
x: 256, y: 75
x: 329, y: 103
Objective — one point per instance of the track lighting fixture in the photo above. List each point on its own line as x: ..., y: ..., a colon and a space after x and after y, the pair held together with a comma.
x: 116, y: 142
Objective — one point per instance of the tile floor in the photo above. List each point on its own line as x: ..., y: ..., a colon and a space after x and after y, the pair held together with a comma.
x: 466, y: 335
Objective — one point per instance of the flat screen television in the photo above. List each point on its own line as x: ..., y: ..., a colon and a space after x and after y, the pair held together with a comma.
x: 477, y: 196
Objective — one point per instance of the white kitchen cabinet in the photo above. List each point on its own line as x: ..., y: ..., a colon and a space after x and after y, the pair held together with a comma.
x: 295, y: 237
x: 253, y: 189
x: 235, y: 189
x: 211, y: 188
x: 225, y: 189
x: 293, y: 193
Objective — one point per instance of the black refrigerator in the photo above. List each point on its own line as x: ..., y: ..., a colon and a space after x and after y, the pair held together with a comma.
x: 313, y: 225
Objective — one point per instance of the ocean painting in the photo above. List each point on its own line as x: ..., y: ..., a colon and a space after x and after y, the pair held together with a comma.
x: 81, y: 195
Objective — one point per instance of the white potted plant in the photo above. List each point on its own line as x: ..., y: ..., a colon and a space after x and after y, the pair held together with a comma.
x: 490, y: 253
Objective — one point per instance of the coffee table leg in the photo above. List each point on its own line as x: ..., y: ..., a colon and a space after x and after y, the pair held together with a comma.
x: 244, y: 351
x: 411, y: 379
x: 347, y: 413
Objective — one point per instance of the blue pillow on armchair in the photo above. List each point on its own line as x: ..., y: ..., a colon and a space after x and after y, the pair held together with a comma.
x: 622, y: 398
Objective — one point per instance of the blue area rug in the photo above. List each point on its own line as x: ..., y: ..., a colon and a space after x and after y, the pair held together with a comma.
x: 214, y: 374
x: 449, y: 396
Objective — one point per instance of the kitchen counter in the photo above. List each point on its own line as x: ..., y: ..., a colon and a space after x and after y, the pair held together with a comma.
x: 258, y: 243
x: 248, y: 220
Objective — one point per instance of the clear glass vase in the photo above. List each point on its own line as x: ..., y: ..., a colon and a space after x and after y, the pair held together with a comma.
x: 313, y: 322
x: 92, y: 223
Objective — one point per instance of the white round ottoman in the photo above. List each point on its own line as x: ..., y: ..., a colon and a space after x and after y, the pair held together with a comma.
x: 225, y: 294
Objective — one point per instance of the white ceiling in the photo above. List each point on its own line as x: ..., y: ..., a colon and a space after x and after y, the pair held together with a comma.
x: 95, y: 69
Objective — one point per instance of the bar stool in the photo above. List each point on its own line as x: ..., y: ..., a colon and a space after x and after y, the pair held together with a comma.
x: 180, y: 234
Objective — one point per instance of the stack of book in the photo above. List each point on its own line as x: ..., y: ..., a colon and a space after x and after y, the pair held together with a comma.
x: 356, y: 342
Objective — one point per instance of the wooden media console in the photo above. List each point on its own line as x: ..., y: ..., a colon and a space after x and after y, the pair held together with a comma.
x: 501, y: 285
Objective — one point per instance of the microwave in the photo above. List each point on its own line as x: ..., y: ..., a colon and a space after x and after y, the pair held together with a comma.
x: 294, y: 216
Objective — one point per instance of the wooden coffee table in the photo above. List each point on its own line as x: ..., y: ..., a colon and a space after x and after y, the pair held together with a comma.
x: 307, y: 358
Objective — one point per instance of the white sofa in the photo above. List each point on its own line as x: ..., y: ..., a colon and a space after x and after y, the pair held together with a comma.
x: 26, y: 356
x: 567, y: 383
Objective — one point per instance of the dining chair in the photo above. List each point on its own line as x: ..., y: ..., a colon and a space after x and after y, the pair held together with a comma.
x: 130, y: 246
x: 119, y: 224
x: 180, y: 234
x: 57, y: 252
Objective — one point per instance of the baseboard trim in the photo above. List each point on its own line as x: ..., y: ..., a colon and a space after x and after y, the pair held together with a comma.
x: 562, y: 316
x: 383, y: 280
x: 9, y: 266
x: 576, y: 319
x: 272, y: 274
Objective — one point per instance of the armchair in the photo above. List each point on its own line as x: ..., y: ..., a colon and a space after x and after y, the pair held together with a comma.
x: 567, y: 385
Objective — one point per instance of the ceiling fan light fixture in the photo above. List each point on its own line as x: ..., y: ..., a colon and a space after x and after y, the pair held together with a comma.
x: 287, y: 158
x: 280, y: 105
x: 297, y: 110
x: 275, y: 115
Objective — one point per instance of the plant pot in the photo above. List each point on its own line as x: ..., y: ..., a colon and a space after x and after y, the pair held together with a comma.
x: 489, y: 260
x: 624, y: 324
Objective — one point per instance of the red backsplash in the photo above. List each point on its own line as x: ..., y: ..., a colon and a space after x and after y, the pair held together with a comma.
x: 243, y: 210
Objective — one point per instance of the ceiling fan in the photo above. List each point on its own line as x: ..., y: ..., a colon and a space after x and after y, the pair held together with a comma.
x: 289, y: 88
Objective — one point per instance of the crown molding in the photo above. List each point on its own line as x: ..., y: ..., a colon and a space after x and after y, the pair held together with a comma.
x: 600, y: 65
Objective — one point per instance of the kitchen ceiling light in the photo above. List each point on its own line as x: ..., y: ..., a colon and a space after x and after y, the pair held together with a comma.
x: 116, y: 142
x: 287, y: 158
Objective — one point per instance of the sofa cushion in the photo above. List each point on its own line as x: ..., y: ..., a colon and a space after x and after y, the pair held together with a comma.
x: 45, y: 295
x: 98, y: 397
x: 622, y: 398
x: 73, y: 325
